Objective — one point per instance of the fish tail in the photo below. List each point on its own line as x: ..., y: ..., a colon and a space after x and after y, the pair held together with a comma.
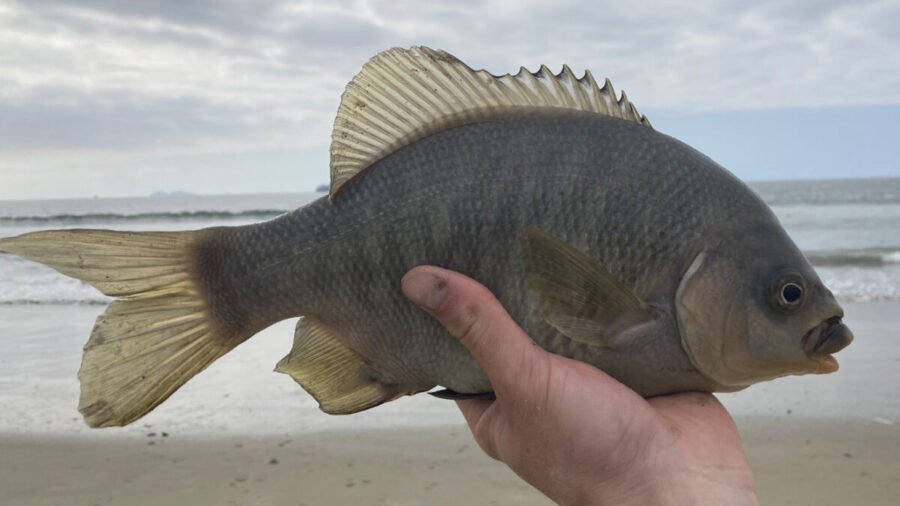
x: 163, y: 327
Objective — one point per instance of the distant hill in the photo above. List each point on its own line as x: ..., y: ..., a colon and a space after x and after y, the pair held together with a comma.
x: 172, y: 194
x: 323, y: 188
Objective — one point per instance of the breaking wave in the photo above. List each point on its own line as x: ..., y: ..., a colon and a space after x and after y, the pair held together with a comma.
x: 862, y: 275
x: 73, y: 219
x: 868, y: 257
x: 53, y: 302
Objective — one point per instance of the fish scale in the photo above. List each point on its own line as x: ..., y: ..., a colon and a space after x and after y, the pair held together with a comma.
x: 437, y: 202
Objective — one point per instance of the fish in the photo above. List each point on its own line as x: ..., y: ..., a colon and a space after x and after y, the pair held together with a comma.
x: 607, y: 241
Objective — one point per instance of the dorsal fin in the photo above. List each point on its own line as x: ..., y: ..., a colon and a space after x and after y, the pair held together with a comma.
x: 403, y: 95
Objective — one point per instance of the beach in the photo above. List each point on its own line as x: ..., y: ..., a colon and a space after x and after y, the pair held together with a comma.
x: 796, y: 462
x: 202, y: 169
x: 259, y: 440
x: 240, y: 434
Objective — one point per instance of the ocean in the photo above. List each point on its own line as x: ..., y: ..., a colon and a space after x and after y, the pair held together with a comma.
x: 849, y: 229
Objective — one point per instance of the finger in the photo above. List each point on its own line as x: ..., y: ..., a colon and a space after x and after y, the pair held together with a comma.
x: 472, y: 314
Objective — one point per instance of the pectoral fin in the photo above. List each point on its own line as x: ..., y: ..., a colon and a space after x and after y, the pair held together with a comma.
x: 338, y: 377
x: 577, y: 297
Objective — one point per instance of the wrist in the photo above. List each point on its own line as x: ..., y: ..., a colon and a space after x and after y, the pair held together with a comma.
x: 674, y: 483
x: 691, y: 485
x: 700, y: 486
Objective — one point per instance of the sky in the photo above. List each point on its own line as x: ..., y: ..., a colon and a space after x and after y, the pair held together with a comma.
x: 111, y: 98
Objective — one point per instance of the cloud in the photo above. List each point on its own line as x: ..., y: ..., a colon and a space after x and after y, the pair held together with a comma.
x: 165, y: 78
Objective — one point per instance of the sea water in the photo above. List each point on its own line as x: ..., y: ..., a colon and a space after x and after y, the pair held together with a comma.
x: 849, y: 229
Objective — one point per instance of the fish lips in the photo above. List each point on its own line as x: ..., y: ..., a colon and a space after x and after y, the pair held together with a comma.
x: 830, y: 336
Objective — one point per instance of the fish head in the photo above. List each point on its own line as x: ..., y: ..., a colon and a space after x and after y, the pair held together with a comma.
x: 751, y: 309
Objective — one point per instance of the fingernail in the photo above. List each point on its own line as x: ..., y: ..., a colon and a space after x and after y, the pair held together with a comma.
x: 425, y: 289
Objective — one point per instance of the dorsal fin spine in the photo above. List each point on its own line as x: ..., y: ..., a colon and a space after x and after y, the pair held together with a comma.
x: 559, y: 85
x: 609, y: 96
x: 596, y: 96
x: 574, y: 87
x: 521, y: 84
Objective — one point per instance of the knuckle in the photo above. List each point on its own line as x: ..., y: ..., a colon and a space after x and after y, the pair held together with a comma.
x: 488, y: 446
x: 529, y: 392
x: 485, y: 435
x: 470, y: 325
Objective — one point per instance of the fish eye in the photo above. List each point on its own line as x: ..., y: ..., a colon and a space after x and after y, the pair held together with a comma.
x: 787, y: 291
x: 791, y: 293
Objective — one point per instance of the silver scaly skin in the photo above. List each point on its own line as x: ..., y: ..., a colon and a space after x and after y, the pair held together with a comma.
x: 638, y: 202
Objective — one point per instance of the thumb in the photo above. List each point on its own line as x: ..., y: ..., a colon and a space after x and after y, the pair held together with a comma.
x: 513, y: 363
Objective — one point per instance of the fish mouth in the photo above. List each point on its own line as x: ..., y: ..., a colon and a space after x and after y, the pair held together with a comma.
x: 830, y: 336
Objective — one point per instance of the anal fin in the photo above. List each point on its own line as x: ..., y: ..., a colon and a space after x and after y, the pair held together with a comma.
x: 337, y: 377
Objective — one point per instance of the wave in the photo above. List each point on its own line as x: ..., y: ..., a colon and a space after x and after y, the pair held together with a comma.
x: 853, y: 275
x: 868, y: 192
x: 867, y: 257
x: 54, y: 302
x: 256, y: 214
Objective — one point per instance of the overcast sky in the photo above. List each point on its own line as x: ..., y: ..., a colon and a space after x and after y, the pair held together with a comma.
x: 105, y: 97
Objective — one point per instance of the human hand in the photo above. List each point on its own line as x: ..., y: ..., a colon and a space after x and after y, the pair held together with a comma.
x: 572, y: 431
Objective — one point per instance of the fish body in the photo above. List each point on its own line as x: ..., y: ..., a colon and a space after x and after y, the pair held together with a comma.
x: 459, y: 199
x: 607, y: 241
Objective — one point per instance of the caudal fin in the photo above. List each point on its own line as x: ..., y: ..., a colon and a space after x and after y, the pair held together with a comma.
x: 157, y: 334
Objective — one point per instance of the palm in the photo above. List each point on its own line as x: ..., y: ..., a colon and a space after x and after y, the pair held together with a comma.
x: 571, y: 430
x: 589, y: 426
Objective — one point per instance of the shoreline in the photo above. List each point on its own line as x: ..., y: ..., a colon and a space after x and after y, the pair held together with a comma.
x: 796, y: 461
x: 240, y: 394
x: 824, y: 440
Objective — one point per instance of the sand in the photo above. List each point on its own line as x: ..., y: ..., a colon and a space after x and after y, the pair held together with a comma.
x: 796, y: 462
x: 823, y: 462
x: 832, y: 440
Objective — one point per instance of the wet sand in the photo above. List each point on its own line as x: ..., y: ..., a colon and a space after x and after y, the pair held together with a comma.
x: 796, y: 462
